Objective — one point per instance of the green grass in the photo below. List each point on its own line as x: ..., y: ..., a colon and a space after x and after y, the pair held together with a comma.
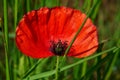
x: 6, y: 39
x: 103, y: 65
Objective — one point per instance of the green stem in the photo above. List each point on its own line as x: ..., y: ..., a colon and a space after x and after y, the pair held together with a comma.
x: 6, y: 39
x: 57, y: 69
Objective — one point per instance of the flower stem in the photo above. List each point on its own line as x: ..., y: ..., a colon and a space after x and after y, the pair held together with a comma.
x: 57, y: 69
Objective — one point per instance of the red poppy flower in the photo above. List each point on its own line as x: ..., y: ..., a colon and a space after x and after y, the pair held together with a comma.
x: 48, y: 31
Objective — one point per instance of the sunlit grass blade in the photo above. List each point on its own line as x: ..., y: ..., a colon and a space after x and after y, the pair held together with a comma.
x: 57, y: 68
x: 77, y: 70
x: 6, y: 39
x: 84, y: 67
x: 87, y: 5
x: 21, y: 68
x: 49, y: 73
x: 42, y: 75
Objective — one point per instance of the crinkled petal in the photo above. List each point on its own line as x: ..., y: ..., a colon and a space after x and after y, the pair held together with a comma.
x: 31, y: 34
x: 65, y: 22
x: 39, y: 27
x: 86, y: 42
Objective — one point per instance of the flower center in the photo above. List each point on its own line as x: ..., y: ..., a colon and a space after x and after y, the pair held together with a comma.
x: 58, y: 48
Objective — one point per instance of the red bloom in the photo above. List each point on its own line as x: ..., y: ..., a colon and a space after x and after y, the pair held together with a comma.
x: 48, y: 32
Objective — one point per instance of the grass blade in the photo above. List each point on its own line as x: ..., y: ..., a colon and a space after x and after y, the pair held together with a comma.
x: 49, y: 73
x: 88, y: 58
x: 6, y: 39
x: 32, y: 68
x: 95, y: 67
x: 15, y: 14
x: 84, y: 67
x: 80, y: 28
x: 110, y: 66
x: 15, y: 24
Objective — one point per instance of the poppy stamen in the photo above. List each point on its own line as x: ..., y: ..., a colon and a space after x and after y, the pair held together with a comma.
x: 58, y: 48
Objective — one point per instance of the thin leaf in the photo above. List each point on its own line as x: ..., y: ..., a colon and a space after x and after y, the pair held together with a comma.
x: 32, y: 68
x: 6, y: 39
x: 84, y: 67
x: 95, y: 67
x: 111, y: 65
x: 49, y: 73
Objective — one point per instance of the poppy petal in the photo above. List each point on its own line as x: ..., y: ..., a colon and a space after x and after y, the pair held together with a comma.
x: 86, y: 42
x: 38, y: 28
x: 65, y: 22
x: 31, y: 36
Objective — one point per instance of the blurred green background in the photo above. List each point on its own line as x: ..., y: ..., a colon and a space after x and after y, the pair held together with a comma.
x: 106, y: 16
